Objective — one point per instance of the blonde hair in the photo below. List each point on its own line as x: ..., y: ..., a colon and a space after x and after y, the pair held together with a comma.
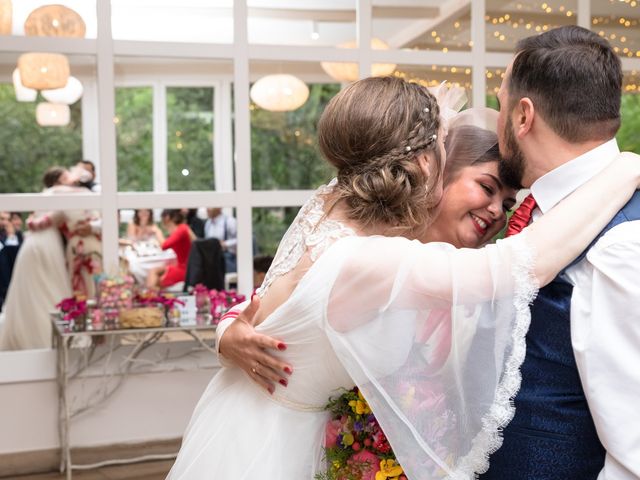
x: 372, y: 132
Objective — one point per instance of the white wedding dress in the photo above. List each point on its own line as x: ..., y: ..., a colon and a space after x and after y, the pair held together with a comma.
x: 433, y: 336
x: 41, y: 278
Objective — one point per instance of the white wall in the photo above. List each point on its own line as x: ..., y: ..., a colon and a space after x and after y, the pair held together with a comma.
x: 149, y: 406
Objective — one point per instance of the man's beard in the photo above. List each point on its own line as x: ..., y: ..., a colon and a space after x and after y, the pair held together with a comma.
x: 511, y: 168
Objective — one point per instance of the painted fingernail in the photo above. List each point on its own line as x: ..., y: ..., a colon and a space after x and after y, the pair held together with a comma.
x: 282, y: 346
x: 283, y: 382
x: 271, y: 390
x: 288, y: 370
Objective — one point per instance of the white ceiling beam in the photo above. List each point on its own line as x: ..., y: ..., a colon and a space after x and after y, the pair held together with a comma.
x: 418, y: 28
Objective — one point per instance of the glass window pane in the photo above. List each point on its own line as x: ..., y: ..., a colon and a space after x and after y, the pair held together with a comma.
x: 618, y: 22
x: 134, y: 137
x: 206, y: 21
x: 434, y: 75
x: 628, y: 138
x: 269, y: 226
x: 407, y: 25
x: 31, y: 142
x: 284, y: 151
x: 313, y: 22
x: 152, y: 243
x: 508, y: 22
x: 190, y: 138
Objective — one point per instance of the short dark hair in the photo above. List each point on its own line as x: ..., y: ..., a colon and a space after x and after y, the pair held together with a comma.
x: 175, y: 215
x: 574, y: 78
x: 90, y: 163
x: 52, y: 176
x: 262, y: 263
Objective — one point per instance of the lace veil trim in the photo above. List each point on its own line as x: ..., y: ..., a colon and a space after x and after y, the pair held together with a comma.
x: 311, y: 231
x: 490, y: 438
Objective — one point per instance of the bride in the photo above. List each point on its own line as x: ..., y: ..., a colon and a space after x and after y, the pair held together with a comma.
x: 352, y: 289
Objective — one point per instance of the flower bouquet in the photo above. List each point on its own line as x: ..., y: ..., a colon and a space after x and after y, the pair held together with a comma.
x: 221, y: 301
x: 355, y: 445
x: 74, y: 311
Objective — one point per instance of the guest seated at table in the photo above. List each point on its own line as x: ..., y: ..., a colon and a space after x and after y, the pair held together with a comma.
x: 223, y: 227
x: 143, y: 229
x: 179, y: 240
x: 196, y: 224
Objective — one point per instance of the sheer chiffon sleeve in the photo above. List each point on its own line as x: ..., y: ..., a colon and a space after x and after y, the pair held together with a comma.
x: 434, y: 338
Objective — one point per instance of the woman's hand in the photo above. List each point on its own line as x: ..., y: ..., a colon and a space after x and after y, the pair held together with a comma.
x: 248, y: 350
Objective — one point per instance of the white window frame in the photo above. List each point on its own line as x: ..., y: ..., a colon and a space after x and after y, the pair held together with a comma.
x: 99, y: 138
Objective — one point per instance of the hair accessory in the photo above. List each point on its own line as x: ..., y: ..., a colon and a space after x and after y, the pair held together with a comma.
x: 408, y: 148
x: 434, y: 137
x: 426, y: 110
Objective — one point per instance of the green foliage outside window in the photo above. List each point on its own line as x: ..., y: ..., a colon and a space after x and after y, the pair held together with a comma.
x: 134, y: 137
x: 27, y: 149
x: 284, y: 152
x: 190, y: 118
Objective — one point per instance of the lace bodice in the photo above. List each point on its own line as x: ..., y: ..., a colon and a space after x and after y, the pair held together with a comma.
x: 311, y: 231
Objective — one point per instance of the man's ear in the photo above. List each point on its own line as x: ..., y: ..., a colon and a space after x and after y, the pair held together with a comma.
x: 524, y: 114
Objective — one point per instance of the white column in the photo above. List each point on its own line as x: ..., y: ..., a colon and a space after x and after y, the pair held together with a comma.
x: 90, y: 141
x: 242, y: 147
x: 584, y: 13
x: 107, y: 137
x: 479, y: 66
x: 223, y: 148
x: 159, y: 138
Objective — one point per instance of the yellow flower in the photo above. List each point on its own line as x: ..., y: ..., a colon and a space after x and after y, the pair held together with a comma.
x: 360, y: 406
x: 389, y: 470
x: 347, y: 439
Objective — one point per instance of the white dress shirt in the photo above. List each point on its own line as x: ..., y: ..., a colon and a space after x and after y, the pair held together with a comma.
x: 224, y: 228
x: 605, y: 318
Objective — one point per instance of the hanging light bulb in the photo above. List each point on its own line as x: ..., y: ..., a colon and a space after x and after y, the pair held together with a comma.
x: 23, y: 94
x: 69, y: 94
x: 52, y: 114
x: 279, y: 93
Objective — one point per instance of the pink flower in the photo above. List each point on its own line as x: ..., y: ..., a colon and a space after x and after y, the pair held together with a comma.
x: 332, y: 430
x: 364, y: 457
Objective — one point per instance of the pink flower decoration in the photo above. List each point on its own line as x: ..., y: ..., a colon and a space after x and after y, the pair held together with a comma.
x: 365, y: 456
x: 331, y: 433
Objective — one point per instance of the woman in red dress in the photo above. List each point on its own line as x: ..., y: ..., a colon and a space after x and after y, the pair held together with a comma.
x: 179, y: 240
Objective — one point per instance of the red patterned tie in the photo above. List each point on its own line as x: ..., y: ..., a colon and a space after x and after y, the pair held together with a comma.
x: 521, y: 216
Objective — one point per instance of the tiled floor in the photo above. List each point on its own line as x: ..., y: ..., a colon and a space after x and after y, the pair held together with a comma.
x: 137, y: 471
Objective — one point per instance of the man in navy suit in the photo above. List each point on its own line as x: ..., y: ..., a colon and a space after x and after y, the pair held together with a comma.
x: 576, y: 412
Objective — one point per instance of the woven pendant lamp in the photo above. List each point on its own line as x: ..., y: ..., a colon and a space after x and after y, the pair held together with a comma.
x: 348, y: 72
x: 54, y: 21
x: 43, y: 71
x: 6, y: 14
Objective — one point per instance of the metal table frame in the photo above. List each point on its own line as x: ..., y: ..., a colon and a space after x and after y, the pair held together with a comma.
x: 62, y: 340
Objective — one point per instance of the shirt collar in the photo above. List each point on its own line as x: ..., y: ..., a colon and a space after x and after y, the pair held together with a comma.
x: 555, y: 185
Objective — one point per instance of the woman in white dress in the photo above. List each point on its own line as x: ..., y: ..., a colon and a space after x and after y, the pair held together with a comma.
x: 40, y: 277
x: 349, y: 292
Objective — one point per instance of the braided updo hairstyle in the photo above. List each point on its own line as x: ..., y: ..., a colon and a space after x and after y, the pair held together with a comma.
x: 372, y: 132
